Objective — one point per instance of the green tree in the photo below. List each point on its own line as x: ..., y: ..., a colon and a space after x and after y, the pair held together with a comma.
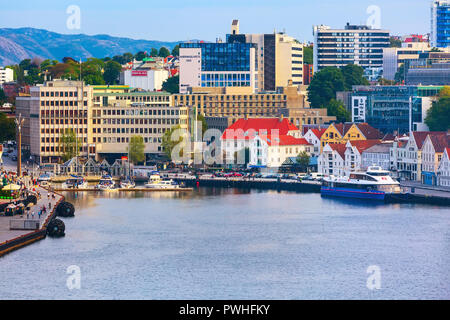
x: 136, y: 149
x: 353, y: 76
x: 324, y: 86
x: 140, y: 56
x: 445, y: 92
x: 167, y: 143
x: 163, y: 52
x: 3, y: 98
x: 337, y: 109
x: 171, y: 85
x: 400, y: 74
x: 112, y: 72
x: 308, y: 55
x: 395, y: 43
x: 7, y: 128
x: 303, y: 160
x: 176, y: 51
x: 69, y: 144
x: 154, y: 52
x: 438, y: 116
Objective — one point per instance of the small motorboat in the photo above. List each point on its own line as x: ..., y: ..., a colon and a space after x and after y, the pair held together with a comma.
x: 75, y: 182
x: 127, y: 184
x: 158, y: 183
x: 106, y: 183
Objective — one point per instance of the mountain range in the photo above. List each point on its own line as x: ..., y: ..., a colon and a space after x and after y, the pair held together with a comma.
x: 27, y: 43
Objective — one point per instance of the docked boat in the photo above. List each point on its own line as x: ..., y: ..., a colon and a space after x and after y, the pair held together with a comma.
x: 106, y: 183
x: 127, y: 184
x: 75, y: 182
x: 44, y: 177
x: 155, y: 182
x: 374, y: 184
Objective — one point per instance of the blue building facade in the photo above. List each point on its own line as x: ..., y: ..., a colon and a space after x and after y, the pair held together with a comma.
x: 440, y: 23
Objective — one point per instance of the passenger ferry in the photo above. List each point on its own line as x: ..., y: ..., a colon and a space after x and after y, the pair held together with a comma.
x: 374, y: 184
x: 75, y: 182
x: 155, y: 182
x: 106, y: 183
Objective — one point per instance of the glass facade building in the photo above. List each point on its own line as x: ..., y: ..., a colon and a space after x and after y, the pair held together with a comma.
x: 391, y: 108
x: 440, y: 23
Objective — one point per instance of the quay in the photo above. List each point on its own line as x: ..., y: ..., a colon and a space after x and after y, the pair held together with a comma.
x: 18, y: 237
x: 123, y: 189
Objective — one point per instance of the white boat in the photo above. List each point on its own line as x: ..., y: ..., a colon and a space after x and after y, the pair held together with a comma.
x: 75, y: 182
x: 127, y: 184
x: 373, y: 184
x: 106, y: 183
x: 44, y: 177
x: 155, y: 182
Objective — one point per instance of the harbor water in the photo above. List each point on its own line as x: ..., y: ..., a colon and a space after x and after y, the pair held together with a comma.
x: 236, y: 244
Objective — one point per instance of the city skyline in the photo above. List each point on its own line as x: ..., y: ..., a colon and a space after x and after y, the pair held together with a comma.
x: 187, y: 21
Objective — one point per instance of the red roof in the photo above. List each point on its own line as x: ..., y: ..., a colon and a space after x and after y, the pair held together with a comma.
x: 440, y: 142
x: 318, y: 132
x: 339, y: 148
x: 284, y: 140
x: 420, y: 136
x: 245, y: 129
x: 367, y: 130
x: 362, y: 145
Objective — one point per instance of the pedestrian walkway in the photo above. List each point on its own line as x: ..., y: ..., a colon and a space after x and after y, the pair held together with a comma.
x: 424, y: 189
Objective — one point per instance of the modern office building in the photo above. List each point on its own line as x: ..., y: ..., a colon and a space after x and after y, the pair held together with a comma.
x: 6, y: 75
x: 392, y: 108
x: 263, y: 62
x: 393, y: 58
x: 440, y: 23
x: 229, y: 64
x: 432, y: 68
x: 104, y: 119
x: 354, y: 44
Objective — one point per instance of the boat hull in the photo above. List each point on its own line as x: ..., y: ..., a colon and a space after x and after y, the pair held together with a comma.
x: 352, y: 193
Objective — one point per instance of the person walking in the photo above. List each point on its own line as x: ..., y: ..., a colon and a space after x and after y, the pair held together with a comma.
x: 32, y: 214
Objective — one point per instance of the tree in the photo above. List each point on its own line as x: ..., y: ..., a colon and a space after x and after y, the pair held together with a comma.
x: 303, y: 160
x: 163, y: 52
x: 7, y: 128
x: 324, y: 86
x: 154, y: 52
x: 136, y: 149
x: 176, y: 51
x: 69, y: 144
x: 112, y: 72
x: 353, y: 76
x: 337, y: 109
x: 438, y: 116
x: 308, y: 55
x: 395, y: 43
x: 171, y: 85
x: 167, y: 143
x: 445, y: 92
x: 400, y: 75
x: 3, y: 98
x: 140, y: 56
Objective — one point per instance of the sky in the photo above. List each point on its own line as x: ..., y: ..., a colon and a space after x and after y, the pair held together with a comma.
x: 176, y: 20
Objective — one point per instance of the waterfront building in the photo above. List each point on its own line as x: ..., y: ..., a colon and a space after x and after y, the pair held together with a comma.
x: 271, y: 151
x: 332, y: 159
x: 104, y: 118
x: 393, y: 58
x: 6, y: 75
x: 443, y: 176
x: 431, y: 68
x: 432, y: 152
x: 440, y: 26
x: 240, y: 135
x: 313, y: 137
x: 353, y: 154
x: 344, y: 132
x: 377, y: 155
x: 391, y: 109
x: 359, y: 45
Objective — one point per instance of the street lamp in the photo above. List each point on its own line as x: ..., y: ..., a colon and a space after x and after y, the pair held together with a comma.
x: 19, y: 122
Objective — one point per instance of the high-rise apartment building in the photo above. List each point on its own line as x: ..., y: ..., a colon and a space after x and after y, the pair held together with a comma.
x: 440, y: 23
x: 360, y: 45
x: 6, y: 75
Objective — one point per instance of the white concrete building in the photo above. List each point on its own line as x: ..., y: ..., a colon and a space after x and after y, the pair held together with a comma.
x: 332, y: 160
x: 6, y: 75
x: 444, y: 169
x: 313, y: 137
x: 378, y: 155
x: 432, y: 152
x: 148, y: 80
